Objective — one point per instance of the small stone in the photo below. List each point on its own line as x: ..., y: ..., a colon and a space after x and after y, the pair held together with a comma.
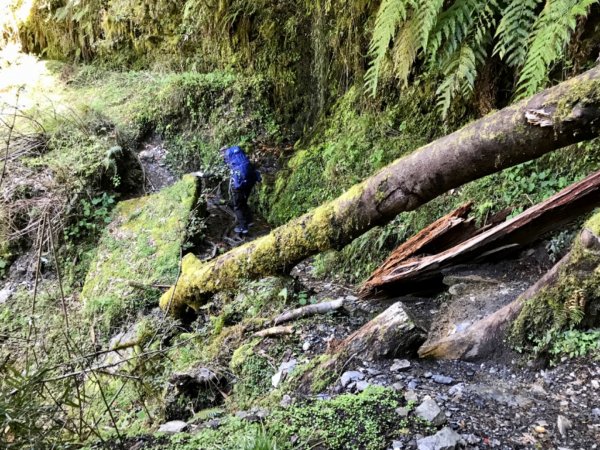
x: 471, y: 439
x: 397, y: 445
x: 5, y: 294
x: 175, y: 426
x: 402, y: 412
x: 412, y: 385
x: 427, y: 374
x: 399, y: 365
x: 306, y: 346
x: 411, y: 396
x: 430, y: 411
x: 563, y: 424
x: 286, y: 401
x: 595, y: 383
x: 213, y: 423
x: 445, y: 439
x: 373, y: 372
x: 397, y: 386
x: 349, y: 377
x: 539, y: 429
x: 442, y: 379
x: 361, y: 386
x: 456, y: 389
x: 596, y: 412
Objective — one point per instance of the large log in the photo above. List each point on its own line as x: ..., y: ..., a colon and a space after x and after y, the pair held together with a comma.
x: 575, y: 276
x: 560, y: 116
x: 551, y: 214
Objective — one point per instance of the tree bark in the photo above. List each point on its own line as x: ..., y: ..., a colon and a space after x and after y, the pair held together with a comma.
x: 563, y: 115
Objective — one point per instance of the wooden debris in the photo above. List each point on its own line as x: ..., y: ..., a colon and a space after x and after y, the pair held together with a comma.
x: 310, y: 310
x: 528, y: 226
x: 275, y: 331
x: 440, y: 235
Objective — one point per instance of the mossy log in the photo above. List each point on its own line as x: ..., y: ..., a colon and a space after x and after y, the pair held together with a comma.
x: 571, y: 112
x: 568, y: 295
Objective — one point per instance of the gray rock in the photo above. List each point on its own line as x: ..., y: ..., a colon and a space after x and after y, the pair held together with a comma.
x: 457, y: 389
x: 596, y: 412
x: 349, y: 377
x: 5, y: 294
x: 400, y: 364
x: 284, y: 369
x: 412, y: 384
x: 563, y: 424
x: 411, y: 396
x: 306, y: 346
x: 445, y: 439
x: 471, y: 439
x: 397, y: 445
x: 361, y: 386
x: 442, y: 379
x: 430, y: 411
x: 397, y: 386
x: 214, y: 423
x: 286, y: 401
x: 402, y: 412
x: 175, y: 426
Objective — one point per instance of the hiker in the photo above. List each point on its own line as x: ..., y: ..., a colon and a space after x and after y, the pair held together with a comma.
x: 243, y: 178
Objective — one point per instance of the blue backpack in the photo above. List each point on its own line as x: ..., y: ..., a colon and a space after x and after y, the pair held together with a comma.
x: 243, y: 174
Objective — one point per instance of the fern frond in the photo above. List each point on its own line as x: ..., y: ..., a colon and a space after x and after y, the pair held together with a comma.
x: 390, y: 14
x: 513, y: 31
x: 460, y: 73
x: 452, y: 27
x: 427, y: 12
x: 551, y: 33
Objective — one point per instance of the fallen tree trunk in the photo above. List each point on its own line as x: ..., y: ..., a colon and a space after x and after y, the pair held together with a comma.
x: 566, y: 295
x: 569, y: 113
x: 571, y: 202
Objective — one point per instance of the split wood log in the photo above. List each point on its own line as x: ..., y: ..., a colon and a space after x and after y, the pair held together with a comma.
x: 528, y: 226
x: 577, y: 275
x: 438, y: 236
x: 310, y: 310
x: 488, y: 145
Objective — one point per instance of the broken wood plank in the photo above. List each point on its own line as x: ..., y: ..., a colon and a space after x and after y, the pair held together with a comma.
x: 528, y: 226
x: 440, y: 235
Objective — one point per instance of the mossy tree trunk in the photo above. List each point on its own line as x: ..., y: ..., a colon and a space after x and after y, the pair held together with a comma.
x: 563, y: 115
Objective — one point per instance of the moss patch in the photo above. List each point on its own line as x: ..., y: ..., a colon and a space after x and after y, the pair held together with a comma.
x: 142, y: 245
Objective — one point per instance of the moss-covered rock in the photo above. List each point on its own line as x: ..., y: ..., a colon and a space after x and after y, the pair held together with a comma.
x: 142, y: 245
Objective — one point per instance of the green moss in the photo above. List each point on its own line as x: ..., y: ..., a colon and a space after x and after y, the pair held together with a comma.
x: 569, y: 303
x: 141, y: 245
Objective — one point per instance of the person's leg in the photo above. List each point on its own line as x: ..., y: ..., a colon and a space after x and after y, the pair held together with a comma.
x: 240, y: 206
x: 247, y: 211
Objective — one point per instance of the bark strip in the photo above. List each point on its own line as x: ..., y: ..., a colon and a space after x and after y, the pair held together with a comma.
x: 488, y: 145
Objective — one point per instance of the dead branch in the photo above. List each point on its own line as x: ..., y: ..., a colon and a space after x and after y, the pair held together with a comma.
x: 274, y: 331
x: 310, y: 310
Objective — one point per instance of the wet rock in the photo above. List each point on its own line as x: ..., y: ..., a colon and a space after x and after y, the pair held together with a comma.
x: 442, y: 379
x: 445, y: 439
x: 172, y: 427
x: 430, y: 411
x: 351, y: 376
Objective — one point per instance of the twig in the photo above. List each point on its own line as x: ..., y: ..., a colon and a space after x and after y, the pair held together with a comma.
x: 310, y: 310
x: 274, y: 331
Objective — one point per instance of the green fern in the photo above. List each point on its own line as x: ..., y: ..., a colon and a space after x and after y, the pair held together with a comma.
x: 390, y: 14
x: 460, y: 72
x: 551, y: 33
x: 513, y: 31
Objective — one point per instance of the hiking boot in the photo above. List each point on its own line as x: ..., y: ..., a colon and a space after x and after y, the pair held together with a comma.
x: 240, y: 230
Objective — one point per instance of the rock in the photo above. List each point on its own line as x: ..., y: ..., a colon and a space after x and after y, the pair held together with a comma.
x: 146, y: 155
x: 596, y: 412
x: 412, y: 385
x: 427, y: 374
x: 286, y: 401
x: 411, y: 396
x: 471, y: 439
x: 563, y: 424
x: 5, y: 294
x: 445, y: 439
x: 214, y: 423
x: 361, y: 386
x: 539, y: 429
x: 349, y: 377
x: 457, y: 389
x: 402, y: 412
x: 397, y: 445
x: 442, y: 379
x: 284, y: 369
x: 397, y: 386
x: 400, y: 364
x: 175, y: 426
x: 430, y: 411
x: 595, y: 383
x: 306, y: 346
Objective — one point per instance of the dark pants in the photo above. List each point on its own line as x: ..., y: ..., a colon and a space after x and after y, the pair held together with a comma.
x: 242, y: 212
